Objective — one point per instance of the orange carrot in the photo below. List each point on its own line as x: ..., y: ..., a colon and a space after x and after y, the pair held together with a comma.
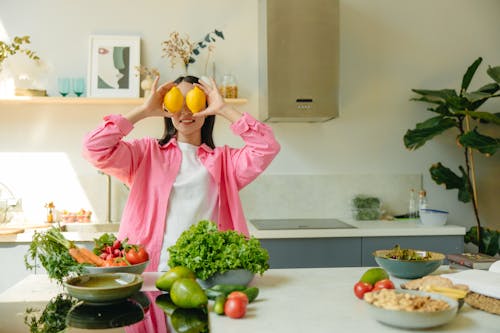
x: 77, y: 255
x: 91, y: 257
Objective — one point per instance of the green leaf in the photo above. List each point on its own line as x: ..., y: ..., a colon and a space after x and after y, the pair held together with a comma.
x: 486, y: 117
x: 437, y: 96
x: 489, y: 240
x: 494, y: 73
x: 484, y: 144
x: 219, y: 33
x: 476, y: 96
x: 443, y: 175
x: 467, y: 78
x: 426, y: 130
x: 489, y: 88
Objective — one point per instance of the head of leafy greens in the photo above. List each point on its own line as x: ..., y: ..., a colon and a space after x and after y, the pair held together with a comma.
x: 206, y: 251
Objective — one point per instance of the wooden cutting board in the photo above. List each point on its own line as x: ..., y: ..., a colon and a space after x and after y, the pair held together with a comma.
x: 10, y: 231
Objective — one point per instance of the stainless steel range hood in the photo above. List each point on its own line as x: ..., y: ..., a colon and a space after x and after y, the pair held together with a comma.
x: 298, y: 60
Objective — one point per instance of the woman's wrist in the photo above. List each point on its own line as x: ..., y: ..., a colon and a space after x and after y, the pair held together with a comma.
x: 136, y: 114
x: 230, y: 113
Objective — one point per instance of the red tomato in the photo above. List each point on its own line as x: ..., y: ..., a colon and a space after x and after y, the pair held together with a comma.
x: 136, y: 255
x: 383, y: 284
x: 235, y: 307
x: 360, y: 288
x: 240, y: 295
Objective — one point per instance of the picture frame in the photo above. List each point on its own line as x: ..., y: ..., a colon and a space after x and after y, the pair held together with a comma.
x: 111, y: 68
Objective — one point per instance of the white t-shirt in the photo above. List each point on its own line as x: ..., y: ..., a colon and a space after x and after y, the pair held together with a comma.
x: 193, y: 198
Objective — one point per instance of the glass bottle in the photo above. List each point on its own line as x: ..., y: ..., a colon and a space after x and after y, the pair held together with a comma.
x: 412, y: 205
x: 422, y: 200
x: 229, y: 88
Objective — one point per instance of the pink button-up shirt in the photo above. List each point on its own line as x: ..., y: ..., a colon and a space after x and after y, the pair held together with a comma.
x: 150, y: 171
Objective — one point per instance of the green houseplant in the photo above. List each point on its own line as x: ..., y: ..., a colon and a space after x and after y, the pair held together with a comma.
x: 459, y: 111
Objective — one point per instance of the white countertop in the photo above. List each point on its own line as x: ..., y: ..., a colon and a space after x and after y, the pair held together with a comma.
x: 290, y: 300
x: 362, y: 229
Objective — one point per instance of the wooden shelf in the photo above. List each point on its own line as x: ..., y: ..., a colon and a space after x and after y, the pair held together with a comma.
x: 89, y: 100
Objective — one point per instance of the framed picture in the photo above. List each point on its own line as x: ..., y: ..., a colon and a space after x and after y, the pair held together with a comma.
x: 112, y: 63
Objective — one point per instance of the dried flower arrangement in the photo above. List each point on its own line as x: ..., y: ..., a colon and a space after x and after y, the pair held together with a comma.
x: 178, y: 48
x: 144, y: 71
x: 9, y: 49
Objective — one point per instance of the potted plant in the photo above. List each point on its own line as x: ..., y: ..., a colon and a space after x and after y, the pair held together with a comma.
x: 459, y: 111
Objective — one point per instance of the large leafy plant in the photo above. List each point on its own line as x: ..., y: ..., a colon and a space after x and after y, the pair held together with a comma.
x: 459, y: 111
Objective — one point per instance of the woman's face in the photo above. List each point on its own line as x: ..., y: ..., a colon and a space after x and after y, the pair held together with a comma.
x: 188, y: 128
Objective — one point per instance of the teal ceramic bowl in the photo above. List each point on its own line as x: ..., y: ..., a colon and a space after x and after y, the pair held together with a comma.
x: 103, y: 288
x: 234, y: 276
x: 409, y: 269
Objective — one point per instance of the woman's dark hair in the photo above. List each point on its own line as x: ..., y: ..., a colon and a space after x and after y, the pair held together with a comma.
x: 206, y: 129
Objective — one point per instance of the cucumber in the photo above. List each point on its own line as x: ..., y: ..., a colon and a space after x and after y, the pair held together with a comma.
x: 219, y: 304
x: 251, y: 293
x: 223, y: 289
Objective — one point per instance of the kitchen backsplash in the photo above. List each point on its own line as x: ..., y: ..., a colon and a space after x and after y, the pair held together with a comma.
x: 324, y: 196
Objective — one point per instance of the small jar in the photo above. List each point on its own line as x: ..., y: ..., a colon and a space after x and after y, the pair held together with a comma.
x: 229, y: 88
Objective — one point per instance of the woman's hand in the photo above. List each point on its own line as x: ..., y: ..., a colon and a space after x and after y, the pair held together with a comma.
x: 216, y: 103
x: 153, y: 106
x: 215, y: 100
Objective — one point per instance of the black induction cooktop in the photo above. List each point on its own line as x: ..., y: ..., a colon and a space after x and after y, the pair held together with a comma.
x: 300, y: 223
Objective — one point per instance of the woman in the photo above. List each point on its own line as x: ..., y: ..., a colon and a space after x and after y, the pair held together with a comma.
x: 181, y: 178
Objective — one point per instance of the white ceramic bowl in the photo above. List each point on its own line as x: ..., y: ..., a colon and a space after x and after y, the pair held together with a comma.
x: 433, y: 217
x: 133, y: 269
x: 415, y: 320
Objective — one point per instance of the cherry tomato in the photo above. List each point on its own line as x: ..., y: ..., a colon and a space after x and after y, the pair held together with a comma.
x: 136, y: 255
x: 383, y: 284
x: 240, y: 295
x: 360, y: 288
x: 235, y: 307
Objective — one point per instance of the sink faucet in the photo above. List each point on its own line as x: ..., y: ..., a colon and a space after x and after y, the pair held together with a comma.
x: 108, y: 196
x: 8, y: 203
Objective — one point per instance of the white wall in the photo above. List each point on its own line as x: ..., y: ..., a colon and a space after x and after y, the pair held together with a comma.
x: 387, y: 48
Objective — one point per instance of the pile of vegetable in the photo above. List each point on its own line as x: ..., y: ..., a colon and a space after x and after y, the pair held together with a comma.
x: 205, y: 250
x: 62, y: 258
x: 373, y: 279
x: 59, y: 256
x: 184, y: 293
x: 407, y: 254
x: 366, y: 208
x: 115, y: 252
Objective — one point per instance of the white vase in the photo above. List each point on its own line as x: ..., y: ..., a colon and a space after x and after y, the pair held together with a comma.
x: 146, y: 85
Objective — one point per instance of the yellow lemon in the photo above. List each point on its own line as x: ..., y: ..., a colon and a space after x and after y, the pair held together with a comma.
x: 173, y: 100
x: 196, y: 100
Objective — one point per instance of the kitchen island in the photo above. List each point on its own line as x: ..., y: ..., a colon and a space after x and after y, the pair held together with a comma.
x: 290, y: 300
x: 300, y: 248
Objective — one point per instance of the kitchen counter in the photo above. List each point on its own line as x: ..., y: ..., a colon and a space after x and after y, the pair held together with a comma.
x: 361, y: 229
x: 290, y: 300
